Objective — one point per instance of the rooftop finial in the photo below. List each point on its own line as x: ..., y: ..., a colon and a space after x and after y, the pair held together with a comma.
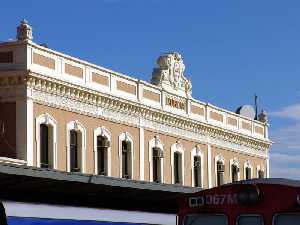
x: 24, y: 31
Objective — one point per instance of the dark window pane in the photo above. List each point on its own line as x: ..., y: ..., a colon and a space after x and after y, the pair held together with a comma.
x: 74, y: 151
x: 44, y: 145
x: 197, y: 171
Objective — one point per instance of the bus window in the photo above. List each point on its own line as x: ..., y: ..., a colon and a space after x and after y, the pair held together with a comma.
x: 207, y: 219
x: 286, y: 219
x: 250, y: 220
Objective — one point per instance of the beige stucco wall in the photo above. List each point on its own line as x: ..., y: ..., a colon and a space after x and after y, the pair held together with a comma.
x: 90, y: 123
x: 63, y: 117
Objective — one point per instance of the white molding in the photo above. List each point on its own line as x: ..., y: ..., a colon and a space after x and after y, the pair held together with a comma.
x: 142, y: 153
x: 177, y: 147
x: 209, y: 166
x: 103, y: 132
x: 76, y: 125
x: 268, y: 167
x: 151, y: 145
x: 219, y: 158
x: 122, y: 137
x: 247, y: 164
x: 196, y: 151
x: 62, y: 102
x: 236, y: 163
x: 46, y: 119
x: 13, y: 161
x: 29, y: 132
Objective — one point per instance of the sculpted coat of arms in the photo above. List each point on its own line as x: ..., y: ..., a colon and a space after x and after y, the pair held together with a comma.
x: 171, y: 73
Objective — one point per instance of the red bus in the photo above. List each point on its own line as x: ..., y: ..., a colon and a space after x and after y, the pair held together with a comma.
x: 252, y: 202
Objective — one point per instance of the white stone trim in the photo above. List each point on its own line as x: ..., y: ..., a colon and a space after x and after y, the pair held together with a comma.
x: 268, y: 167
x: 219, y: 158
x: 151, y: 145
x: 29, y: 133
x: 76, y: 125
x: 247, y: 164
x: 236, y: 163
x: 102, y: 131
x: 122, y: 137
x: 46, y: 119
x: 196, y: 151
x: 209, y: 167
x: 177, y: 147
x: 142, y: 153
x: 12, y: 161
x: 62, y: 102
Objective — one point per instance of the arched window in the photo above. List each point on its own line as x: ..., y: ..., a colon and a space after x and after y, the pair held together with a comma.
x: 261, y: 174
x: 248, y: 173
x: 157, y: 156
x: 126, y: 160
x: 177, y: 163
x: 234, y: 170
x: 234, y: 173
x: 44, y: 146
x: 102, y: 153
x: 74, y: 152
x: 219, y: 169
x: 46, y: 141
x: 156, y: 160
x: 177, y: 168
x: 126, y: 155
x: 247, y: 170
x: 197, y: 171
x: 197, y: 166
x: 75, y: 147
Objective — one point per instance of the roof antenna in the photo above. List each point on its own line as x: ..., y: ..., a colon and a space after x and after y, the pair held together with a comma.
x: 256, y: 107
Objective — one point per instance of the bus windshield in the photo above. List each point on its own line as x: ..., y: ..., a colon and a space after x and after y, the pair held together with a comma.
x: 207, y: 219
x: 286, y: 219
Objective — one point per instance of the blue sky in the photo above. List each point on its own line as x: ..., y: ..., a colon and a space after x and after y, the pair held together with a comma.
x: 231, y: 49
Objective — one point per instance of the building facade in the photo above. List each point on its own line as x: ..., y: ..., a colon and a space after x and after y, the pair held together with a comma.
x: 63, y: 113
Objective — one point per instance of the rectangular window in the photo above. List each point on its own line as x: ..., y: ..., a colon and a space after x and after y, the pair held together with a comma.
x: 177, y: 168
x: 197, y: 171
x: 286, y: 219
x: 250, y: 220
x: 74, y: 151
x: 6, y: 57
x: 44, y: 146
x: 220, y: 173
x: 126, y: 159
x: 206, y: 219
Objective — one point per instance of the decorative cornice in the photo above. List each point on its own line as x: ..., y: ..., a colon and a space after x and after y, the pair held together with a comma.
x: 96, y: 103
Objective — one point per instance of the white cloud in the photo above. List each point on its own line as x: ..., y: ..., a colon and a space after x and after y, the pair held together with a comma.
x: 289, y: 112
x: 285, y: 165
x: 285, y: 172
x: 286, y: 138
x: 280, y: 158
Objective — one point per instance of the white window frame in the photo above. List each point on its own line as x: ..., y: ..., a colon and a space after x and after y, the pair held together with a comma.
x: 48, y: 120
x: 236, y: 163
x: 150, y: 151
x: 77, y: 126
x: 102, y: 131
x: 247, y: 164
x: 177, y: 147
x: 196, y: 151
x: 128, y: 137
x: 219, y: 158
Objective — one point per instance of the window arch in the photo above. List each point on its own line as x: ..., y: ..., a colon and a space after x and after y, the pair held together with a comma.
x: 247, y: 170
x: 197, y: 167
x: 177, y: 163
x: 156, y: 160
x: 76, y: 146
x: 219, y: 170
x: 126, y: 155
x: 102, y: 151
x: 46, y: 145
x: 234, y: 170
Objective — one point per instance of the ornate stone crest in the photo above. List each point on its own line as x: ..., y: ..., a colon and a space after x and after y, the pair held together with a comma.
x: 24, y: 31
x: 170, y: 73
